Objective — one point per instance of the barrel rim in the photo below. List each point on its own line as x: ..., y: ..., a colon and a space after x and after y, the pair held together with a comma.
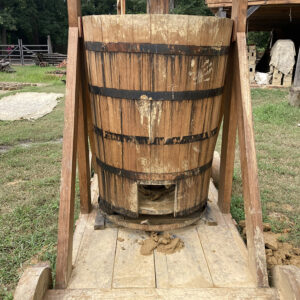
x: 162, y: 16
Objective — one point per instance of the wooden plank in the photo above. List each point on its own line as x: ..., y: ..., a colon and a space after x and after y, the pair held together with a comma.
x: 94, y: 265
x: 287, y: 280
x: 67, y: 193
x: 74, y: 11
x: 78, y: 235
x: 158, y: 6
x: 228, y: 268
x: 186, y: 268
x: 253, y: 212
x: 84, y: 172
x: 297, y: 71
x: 226, y: 3
x: 123, y: 7
x: 131, y: 269
x: 228, y: 139
x: 174, y: 294
x: 34, y: 282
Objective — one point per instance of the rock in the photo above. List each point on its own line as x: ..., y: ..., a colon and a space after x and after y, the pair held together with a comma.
x: 266, y: 227
x: 296, y: 251
x: 270, y: 241
x: 269, y: 252
x: 294, y: 96
x: 242, y: 223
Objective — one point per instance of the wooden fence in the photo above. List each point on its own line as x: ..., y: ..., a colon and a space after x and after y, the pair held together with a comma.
x: 21, y: 54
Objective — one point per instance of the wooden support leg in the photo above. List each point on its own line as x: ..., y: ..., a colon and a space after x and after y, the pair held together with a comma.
x: 67, y: 191
x: 82, y: 145
x: 87, y: 101
x: 228, y: 138
x: 253, y: 212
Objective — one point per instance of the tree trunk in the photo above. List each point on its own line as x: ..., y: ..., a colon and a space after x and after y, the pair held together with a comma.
x: 3, y: 36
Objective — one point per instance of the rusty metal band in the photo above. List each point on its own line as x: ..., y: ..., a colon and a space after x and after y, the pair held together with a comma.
x: 164, y: 49
x: 109, y: 208
x: 145, y: 140
x: 153, y: 176
x: 155, y: 96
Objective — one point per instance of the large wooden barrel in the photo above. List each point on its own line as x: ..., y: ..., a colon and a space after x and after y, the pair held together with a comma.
x: 156, y: 84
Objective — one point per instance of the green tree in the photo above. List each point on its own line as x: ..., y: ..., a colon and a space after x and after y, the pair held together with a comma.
x: 7, y: 19
x: 192, y: 7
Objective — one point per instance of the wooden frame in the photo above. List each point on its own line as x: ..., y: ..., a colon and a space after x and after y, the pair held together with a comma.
x: 237, y: 113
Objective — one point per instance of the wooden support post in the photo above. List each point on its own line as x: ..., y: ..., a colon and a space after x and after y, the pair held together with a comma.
x: 252, y: 204
x: 158, y: 6
x: 49, y: 44
x: 67, y: 191
x: 121, y: 7
x: 228, y: 137
x: 240, y: 109
x: 75, y: 143
x: 82, y: 143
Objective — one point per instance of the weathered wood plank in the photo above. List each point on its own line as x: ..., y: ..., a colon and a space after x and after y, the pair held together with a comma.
x: 253, y: 212
x: 67, y: 193
x: 94, y: 265
x: 34, y: 283
x: 131, y: 269
x: 227, y: 267
x: 186, y: 268
x: 176, y: 294
x: 82, y: 143
x: 228, y: 139
x: 74, y: 11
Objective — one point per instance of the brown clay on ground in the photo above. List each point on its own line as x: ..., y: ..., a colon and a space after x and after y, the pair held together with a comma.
x: 164, y: 243
x: 277, y: 253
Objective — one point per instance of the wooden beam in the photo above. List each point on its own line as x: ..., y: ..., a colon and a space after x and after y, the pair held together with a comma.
x: 67, y: 191
x: 158, y: 6
x: 228, y: 3
x: 228, y: 137
x: 123, y: 7
x: 239, y: 109
x: 252, y: 204
x: 74, y: 11
x: 84, y: 171
x: 297, y: 72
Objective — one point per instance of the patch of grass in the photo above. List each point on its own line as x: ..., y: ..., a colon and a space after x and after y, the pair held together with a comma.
x: 29, y: 183
x: 29, y: 195
x: 277, y: 143
x: 44, y: 129
x: 32, y: 74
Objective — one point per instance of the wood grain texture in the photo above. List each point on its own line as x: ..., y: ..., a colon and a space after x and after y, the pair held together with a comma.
x: 74, y: 11
x: 170, y: 268
x: 67, y: 191
x: 226, y: 3
x: 253, y: 212
x: 155, y: 119
x: 158, y: 6
x: 131, y: 269
x: 84, y: 171
x: 154, y: 294
x: 95, y: 259
x: 228, y: 137
x: 34, y: 282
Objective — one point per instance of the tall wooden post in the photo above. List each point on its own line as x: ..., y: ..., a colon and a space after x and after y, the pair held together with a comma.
x: 158, y: 6
x: 75, y: 142
x: 240, y: 109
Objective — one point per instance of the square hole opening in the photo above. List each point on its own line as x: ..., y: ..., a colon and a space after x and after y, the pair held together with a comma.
x: 156, y: 199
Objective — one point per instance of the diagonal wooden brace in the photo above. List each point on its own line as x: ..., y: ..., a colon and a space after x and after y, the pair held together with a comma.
x: 238, y: 111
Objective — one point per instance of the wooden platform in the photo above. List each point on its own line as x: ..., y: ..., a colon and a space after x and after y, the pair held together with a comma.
x: 107, y: 263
